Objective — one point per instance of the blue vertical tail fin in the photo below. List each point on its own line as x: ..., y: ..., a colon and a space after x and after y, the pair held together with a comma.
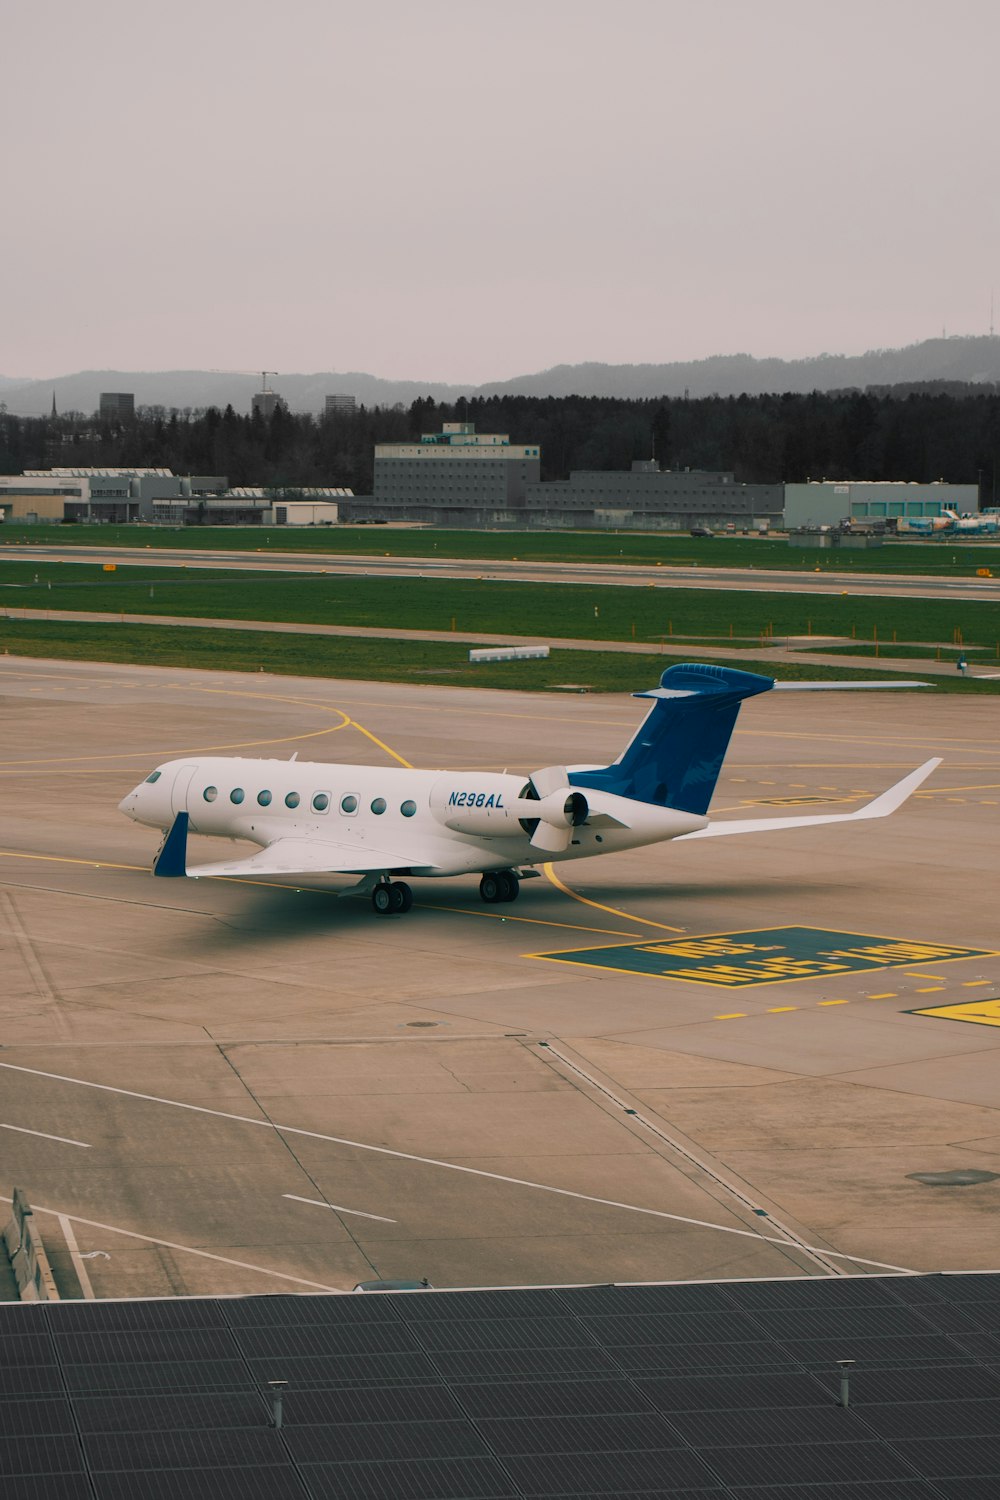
x: 676, y: 755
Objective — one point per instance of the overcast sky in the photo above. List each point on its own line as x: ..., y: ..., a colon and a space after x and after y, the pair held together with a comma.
x: 464, y: 191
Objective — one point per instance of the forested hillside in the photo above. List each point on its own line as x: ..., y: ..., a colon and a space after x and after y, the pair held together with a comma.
x: 905, y: 433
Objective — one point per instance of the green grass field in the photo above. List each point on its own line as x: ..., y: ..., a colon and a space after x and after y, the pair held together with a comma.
x: 575, y: 611
x: 939, y: 558
x: 438, y: 662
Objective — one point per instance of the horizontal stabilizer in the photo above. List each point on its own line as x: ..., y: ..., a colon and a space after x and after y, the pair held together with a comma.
x: 308, y: 856
x: 880, y: 807
x: 836, y: 687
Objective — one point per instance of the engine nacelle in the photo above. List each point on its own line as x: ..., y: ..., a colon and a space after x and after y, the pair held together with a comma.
x: 490, y: 806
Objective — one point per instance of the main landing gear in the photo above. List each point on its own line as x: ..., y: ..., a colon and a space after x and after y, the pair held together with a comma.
x: 499, y: 885
x: 392, y: 896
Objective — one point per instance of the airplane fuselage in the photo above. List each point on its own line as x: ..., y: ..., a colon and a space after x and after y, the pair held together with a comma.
x: 430, y: 823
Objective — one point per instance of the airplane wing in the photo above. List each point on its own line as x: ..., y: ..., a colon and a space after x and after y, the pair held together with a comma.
x: 879, y: 807
x: 286, y: 856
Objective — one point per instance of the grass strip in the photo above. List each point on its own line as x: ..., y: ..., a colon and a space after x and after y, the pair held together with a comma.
x: 434, y: 662
x: 650, y: 614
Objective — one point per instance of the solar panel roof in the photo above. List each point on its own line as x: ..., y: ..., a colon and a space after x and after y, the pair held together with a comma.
x: 708, y: 1390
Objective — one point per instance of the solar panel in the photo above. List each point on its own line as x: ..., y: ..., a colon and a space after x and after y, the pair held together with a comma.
x: 27, y: 1380
x: 815, y: 1291
x: 849, y: 1322
x: 28, y: 1416
x: 579, y: 1434
x: 47, y: 1453
x: 501, y: 1333
x: 683, y: 1328
x: 145, y: 1346
x: 966, y: 1489
x: 929, y: 1419
x: 898, y: 1489
x: 595, y: 1301
x: 660, y: 1470
x: 514, y: 1303
x: 761, y: 1355
x: 780, y: 1424
x: 399, y: 1403
x: 277, y: 1311
x: 380, y: 1441
x: 526, y: 1364
x: 329, y: 1339
x: 718, y: 1392
x: 109, y: 1317
x: 200, y: 1484
x: 953, y: 1457
x: 49, y: 1487
x: 928, y: 1350
x: 29, y: 1349
x: 440, y: 1479
x: 165, y: 1412
x: 549, y: 1398
x: 808, y: 1463
x: 203, y: 1375
x: 227, y: 1447
x: 357, y: 1369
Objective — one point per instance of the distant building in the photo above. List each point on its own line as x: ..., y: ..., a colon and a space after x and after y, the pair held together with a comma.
x: 110, y: 495
x: 647, y: 497
x: 826, y: 502
x: 340, y: 405
x: 117, y: 405
x: 267, y: 402
x: 451, y: 475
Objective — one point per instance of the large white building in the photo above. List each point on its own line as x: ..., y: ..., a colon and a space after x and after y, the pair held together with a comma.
x: 452, y: 472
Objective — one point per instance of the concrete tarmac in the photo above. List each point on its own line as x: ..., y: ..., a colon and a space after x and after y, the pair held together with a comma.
x: 233, y: 1086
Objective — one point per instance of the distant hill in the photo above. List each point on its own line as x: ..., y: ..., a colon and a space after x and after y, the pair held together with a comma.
x: 959, y: 359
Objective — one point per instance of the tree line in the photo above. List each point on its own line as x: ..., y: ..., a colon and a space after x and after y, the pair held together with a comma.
x: 917, y: 433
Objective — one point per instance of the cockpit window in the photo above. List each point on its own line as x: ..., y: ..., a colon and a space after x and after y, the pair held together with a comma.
x: 154, y: 777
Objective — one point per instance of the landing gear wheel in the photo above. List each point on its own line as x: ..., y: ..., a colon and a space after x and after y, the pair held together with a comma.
x: 511, y: 886
x: 402, y: 896
x: 382, y: 899
x: 491, y: 889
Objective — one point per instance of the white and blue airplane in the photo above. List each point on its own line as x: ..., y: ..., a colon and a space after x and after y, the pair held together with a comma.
x: 383, y: 823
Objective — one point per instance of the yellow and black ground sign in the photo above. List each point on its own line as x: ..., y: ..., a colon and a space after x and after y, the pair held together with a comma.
x: 983, y: 1012
x: 767, y: 955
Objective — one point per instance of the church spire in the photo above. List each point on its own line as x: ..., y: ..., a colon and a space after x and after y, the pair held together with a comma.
x: 54, y: 412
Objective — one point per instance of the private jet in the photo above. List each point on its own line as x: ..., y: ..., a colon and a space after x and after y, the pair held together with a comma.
x: 385, y: 823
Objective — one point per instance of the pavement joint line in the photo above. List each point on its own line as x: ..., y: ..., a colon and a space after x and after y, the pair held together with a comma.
x: 150, y: 1239
x: 428, y: 1161
x: 680, y: 1148
x: 82, y: 1275
x: 338, y: 1208
x: 64, y: 1140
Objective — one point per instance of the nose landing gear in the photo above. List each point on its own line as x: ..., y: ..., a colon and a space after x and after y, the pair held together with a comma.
x: 392, y: 896
x: 499, y: 885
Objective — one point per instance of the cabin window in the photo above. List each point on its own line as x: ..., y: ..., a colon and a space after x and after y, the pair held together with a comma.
x: 264, y: 798
x: 349, y: 804
x: 378, y: 806
x: 237, y: 794
x: 321, y: 801
x: 293, y: 799
x: 155, y: 777
x: 210, y: 793
x: 408, y: 808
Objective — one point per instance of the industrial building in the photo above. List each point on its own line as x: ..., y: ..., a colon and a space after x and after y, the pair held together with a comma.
x: 648, y: 497
x: 340, y: 405
x: 827, y: 502
x: 118, y: 496
x: 453, y: 477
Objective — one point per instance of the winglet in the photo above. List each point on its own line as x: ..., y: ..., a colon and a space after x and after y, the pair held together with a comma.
x: 172, y: 858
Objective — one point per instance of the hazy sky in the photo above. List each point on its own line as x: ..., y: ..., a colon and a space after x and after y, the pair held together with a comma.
x: 467, y: 191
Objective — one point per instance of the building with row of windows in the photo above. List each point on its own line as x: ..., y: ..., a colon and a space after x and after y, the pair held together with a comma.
x: 826, y: 502
x: 160, y: 497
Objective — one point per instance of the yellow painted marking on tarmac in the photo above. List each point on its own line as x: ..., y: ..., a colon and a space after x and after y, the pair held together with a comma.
x: 833, y: 1002
x: 733, y: 1015
x: 929, y: 989
x: 62, y: 859
x: 983, y: 1012
x: 912, y: 974
x: 968, y: 984
x: 612, y: 911
x: 381, y: 743
x: 886, y: 995
x: 475, y: 911
x: 287, y: 739
x: 776, y: 1010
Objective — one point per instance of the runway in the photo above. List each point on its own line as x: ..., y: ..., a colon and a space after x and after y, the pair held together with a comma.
x: 835, y: 580
x: 248, y: 1086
